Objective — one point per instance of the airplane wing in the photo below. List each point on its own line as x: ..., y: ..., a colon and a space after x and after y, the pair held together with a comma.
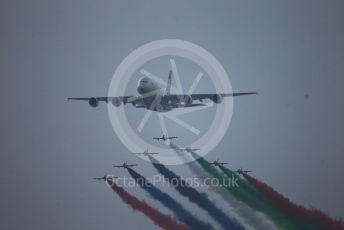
x: 157, y: 138
x: 187, y: 105
x: 153, y: 153
x: 193, y: 149
x: 116, y: 101
x: 217, y: 98
x: 214, y: 95
x: 132, y: 165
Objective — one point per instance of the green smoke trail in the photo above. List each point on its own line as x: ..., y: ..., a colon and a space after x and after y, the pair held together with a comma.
x: 249, y: 195
x: 247, y: 187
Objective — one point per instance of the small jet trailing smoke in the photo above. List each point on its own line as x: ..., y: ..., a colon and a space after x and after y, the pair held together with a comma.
x: 241, y: 171
x: 146, y: 153
x: 125, y: 165
x: 170, y: 203
x: 106, y: 178
x: 160, y: 219
x: 317, y: 218
x: 218, y: 163
x: 163, y: 138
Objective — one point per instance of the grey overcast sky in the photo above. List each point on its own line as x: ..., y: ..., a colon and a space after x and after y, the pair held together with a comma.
x: 291, y: 135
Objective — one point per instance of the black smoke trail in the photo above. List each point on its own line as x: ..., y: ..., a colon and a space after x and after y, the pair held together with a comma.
x: 194, y: 196
x: 169, y: 202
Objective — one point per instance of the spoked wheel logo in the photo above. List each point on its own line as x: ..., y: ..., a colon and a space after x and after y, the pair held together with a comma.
x: 200, y: 127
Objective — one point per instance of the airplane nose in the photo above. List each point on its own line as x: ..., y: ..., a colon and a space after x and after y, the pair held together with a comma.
x: 142, y: 85
x: 140, y: 89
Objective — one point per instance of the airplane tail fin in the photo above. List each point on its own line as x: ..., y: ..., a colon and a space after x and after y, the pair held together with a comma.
x: 169, y: 82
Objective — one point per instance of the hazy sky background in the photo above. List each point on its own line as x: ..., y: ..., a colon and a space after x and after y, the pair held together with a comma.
x: 50, y: 148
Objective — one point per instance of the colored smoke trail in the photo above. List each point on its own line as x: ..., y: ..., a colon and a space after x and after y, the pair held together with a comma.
x: 160, y: 219
x: 169, y: 202
x: 247, y: 216
x: 194, y: 196
x: 254, y: 200
x: 313, y: 216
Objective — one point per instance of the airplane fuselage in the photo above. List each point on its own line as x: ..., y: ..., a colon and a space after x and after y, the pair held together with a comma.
x: 153, y: 96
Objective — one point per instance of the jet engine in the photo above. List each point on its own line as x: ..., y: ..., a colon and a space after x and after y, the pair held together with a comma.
x: 93, y: 102
x: 116, y: 101
x: 187, y: 99
x: 217, y: 98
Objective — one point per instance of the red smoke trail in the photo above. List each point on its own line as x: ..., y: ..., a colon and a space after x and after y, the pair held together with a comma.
x: 315, y: 217
x: 162, y: 220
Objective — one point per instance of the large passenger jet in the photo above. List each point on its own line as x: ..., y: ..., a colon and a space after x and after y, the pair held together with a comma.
x: 157, y: 98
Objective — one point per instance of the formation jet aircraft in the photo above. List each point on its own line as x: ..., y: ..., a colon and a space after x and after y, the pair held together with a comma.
x: 105, y: 177
x: 124, y: 165
x: 241, y: 171
x: 146, y: 153
x: 155, y: 97
x: 164, y: 138
x: 217, y: 163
